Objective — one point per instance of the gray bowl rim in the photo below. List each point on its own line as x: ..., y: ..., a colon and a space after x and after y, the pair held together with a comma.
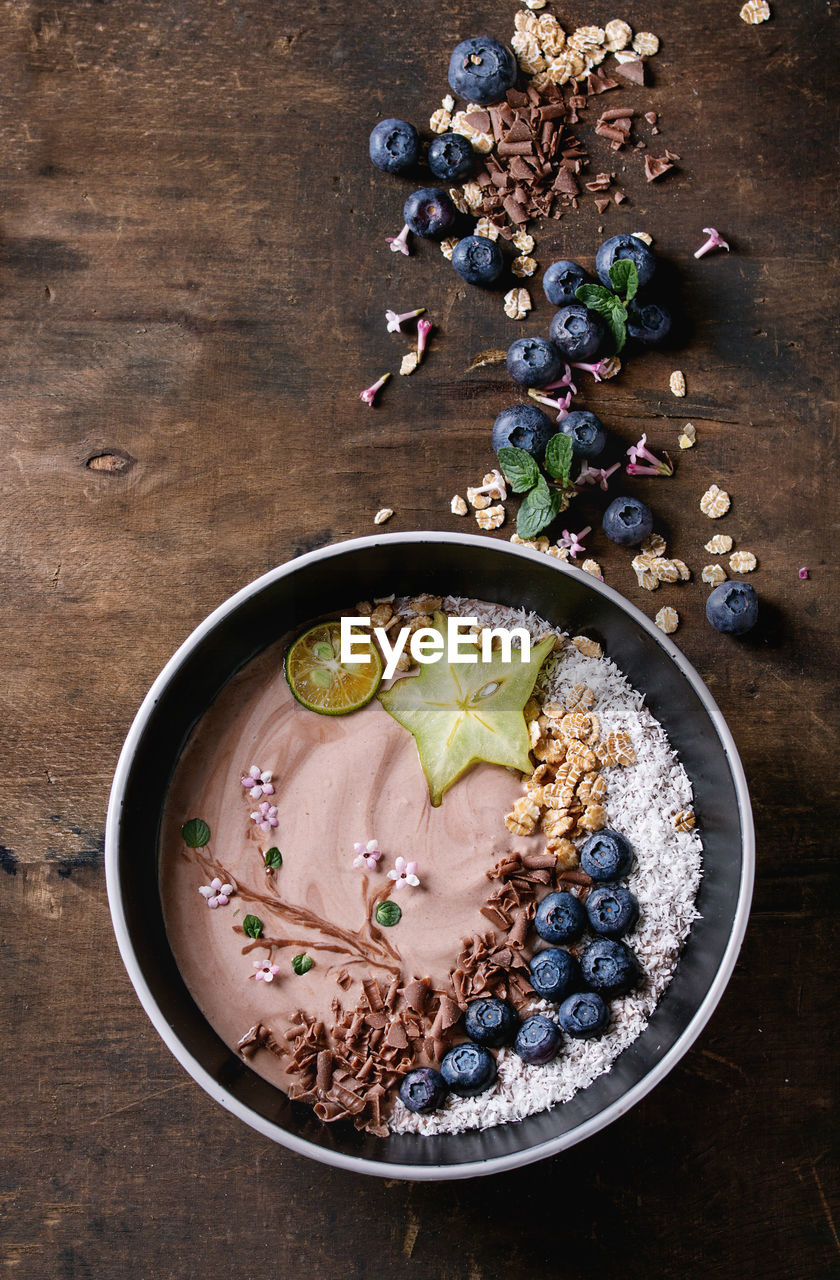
x: 357, y: 1164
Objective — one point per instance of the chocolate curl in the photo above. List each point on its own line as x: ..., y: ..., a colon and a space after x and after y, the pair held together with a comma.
x: 374, y: 995
x: 415, y: 994
x: 519, y: 930
x: 538, y: 861
x: 391, y: 997
x: 323, y: 1078
x: 253, y: 1040
x: 396, y: 1037
x: 344, y: 980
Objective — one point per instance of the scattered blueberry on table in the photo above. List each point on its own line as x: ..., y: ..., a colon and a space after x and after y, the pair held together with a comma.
x: 533, y: 362
x: 478, y: 260
x: 586, y: 432
x: 562, y: 280
x: 577, y: 332
x: 451, y: 157
x: 648, y: 322
x: 430, y: 212
x: 733, y: 607
x: 394, y: 146
x: 523, y: 426
x: 627, y: 521
x: 631, y: 248
x: 482, y: 70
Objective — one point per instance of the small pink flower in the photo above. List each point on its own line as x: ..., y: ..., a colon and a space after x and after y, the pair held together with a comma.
x: 561, y: 404
x: 257, y: 782
x: 369, y: 394
x: 715, y: 241
x: 367, y: 855
x: 404, y: 873
x: 597, y: 475
x: 657, y: 466
x: 573, y: 541
x: 565, y: 381
x: 265, y: 972
x: 217, y: 894
x: 424, y: 328
x: 395, y: 321
x: 266, y: 816
x: 399, y: 244
x: 803, y: 573
x: 597, y: 370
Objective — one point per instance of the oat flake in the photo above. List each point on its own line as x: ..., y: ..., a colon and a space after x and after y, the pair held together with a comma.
x: 742, y: 562
x: 677, y: 383
x: 517, y: 304
x: 491, y: 518
x: 447, y: 247
x: 642, y: 235
x: 714, y: 574
x: 646, y: 44
x: 715, y: 502
x: 410, y: 362
x: 654, y: 545
x: 523, y: 266
x: 440, y: 121
x: 719, y: 544
x: 457, y: 506
x: 523, y: 242
x: 593, y: 567
x: 618, y: 35
x: 755, y: 11
x: 484, y: 227
x: 667, y: 620
x: 383, y: 514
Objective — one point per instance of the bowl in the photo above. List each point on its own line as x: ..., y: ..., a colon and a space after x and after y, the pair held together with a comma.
x: 442, y: 563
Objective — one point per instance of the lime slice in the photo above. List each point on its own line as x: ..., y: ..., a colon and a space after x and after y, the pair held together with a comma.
x: 318, y: 678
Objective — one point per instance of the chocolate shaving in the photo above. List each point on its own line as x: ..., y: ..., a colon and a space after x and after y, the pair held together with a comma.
x: 633, y: 71
x: 344, y: 980
x: 656, y: 167
x: 601, y: 205
x: 415, y: 994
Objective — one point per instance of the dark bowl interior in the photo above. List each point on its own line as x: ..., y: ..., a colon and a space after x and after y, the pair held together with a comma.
x: 481, y: 568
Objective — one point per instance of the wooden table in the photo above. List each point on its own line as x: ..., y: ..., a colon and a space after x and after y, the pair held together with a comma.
x: 193, y: 280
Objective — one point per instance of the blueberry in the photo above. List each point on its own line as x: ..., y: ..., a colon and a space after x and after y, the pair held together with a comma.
x: 553, y: 973
x: 490, y: 1021
x: 648, y: 322
x: 523, y: 426
x: 610, y: 967
x: 478, y: 260
x: 627, y: 521
x: 394, y: 145
x: 451, y: 157
x: 584, y: 1016
x: 607, y: 855
x: 534, y: 361
x: 430, y: 212
x: 611, y: 911
x: 587, y: 433
x: 624, y: 246
x: 468, y: 1069
x: 481, y: 70
x: 537, y: 1040
x: 562, y: 280
x: 560, y: 918
x: 577, y: 332
x: 733, y: 607
x: 423, y: 1089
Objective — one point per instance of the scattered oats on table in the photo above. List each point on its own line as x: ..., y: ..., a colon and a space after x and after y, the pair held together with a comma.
x: 383, y: 514
x: 447, y: 247
x: 618, y: 35
x: 409, y: 363
x: 654, y: 545
x: 457, y: 506
x: 517, y: 304
x: 491, y: 518
x: 642, y: 235
x: 484, y: 227
x: 593, y: 567
x: 523, y: 266
x: 755, y: 11
x: 458, y: 200
x: 667, y: 620
x: 714, y: 574
x: 472, y: 194
x: 523, y: 242
x: 663, y: 570
x: 719, y: 544
x: 715, y: 502
x: 645, y: 577
x: 742, y: 562
x: 440, y: 121
x: 677, y: 383
x: 536, y: 4
x: 646, y: 44
x: 610, y: 367
x: 689, y: 437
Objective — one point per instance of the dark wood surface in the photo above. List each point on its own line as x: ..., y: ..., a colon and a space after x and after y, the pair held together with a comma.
x: 193, y: 281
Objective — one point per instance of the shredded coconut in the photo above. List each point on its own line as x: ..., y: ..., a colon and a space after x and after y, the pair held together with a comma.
x: 643, y: 802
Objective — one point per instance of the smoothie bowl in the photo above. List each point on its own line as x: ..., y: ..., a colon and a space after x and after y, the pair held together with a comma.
x: 450, y: 922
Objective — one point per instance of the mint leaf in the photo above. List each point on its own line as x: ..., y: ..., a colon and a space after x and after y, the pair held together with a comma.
x: 273, y: 858
x: 302, y: 964
x: 388, y: 913
x: 519, y: 468
x: 196, y: 833
x: 558, y: 457
x: 625, y: 278
x: 596, y: 298
x: 253, y: 926
x: 538, y: 510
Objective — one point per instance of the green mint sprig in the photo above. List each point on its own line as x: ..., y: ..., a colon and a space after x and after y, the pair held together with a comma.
x: 196, y: 833
x: 302, y: 964
x: 542, y: 502
x: 253, y: 926
x: 273, y: 858
x: 612, y: 303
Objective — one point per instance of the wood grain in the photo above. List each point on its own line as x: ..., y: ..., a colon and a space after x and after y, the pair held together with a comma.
x: 193, y: 280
